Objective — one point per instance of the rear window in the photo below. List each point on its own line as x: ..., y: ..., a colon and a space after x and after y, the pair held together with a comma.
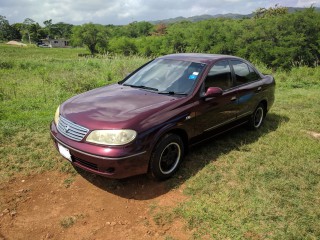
x: 244, y: 73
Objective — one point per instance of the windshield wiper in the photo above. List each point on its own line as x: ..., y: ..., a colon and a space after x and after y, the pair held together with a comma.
x: 173, y: 93
x: 141, y: 86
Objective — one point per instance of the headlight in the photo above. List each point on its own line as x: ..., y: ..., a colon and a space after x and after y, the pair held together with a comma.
x: 112, y: 137
x: 56, y: 116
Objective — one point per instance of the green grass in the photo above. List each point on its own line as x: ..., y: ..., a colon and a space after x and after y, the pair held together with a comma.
x: 242, y: 185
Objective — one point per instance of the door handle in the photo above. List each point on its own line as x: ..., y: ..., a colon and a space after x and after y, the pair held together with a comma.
x: 234, y: 98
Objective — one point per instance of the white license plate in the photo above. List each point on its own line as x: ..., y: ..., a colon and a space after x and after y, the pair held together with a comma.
x: 64, y: 152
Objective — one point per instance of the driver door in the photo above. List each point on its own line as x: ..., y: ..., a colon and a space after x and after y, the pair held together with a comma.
x: 213, y: 113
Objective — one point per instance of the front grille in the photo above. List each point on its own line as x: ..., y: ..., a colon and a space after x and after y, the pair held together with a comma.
x: 85, y: 163
x: 71, y: 130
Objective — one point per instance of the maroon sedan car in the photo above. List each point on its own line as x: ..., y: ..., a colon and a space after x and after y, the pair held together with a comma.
x: 146, y: 122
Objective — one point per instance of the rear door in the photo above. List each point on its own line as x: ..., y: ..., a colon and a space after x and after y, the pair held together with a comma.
x: 248, y: 83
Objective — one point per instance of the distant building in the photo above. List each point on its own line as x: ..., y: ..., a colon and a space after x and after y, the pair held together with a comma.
x: 54, y: 43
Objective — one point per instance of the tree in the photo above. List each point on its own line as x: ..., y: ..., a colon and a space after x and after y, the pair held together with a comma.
x: 276, y: 11
x: 27, y: 27
x: 4, y: 27
x: 143, y: 28
x: 178, y: 36
x: 123, y: 45
x: 57, y: 30
x: 160, y: 30
x: 7, y: 32
x: 48, y: 27
x: 18, y: 28
x: 93, y: 36
x: 61, y: 30
x: 31, y: 31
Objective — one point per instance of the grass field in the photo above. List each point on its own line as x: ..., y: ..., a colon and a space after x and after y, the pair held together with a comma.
x: 243, y: 185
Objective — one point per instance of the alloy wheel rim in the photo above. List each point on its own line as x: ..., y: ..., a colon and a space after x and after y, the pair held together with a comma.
x: 258, y: 116
x: 170, y: 158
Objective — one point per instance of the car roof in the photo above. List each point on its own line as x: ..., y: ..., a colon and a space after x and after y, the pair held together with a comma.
x: 198, y: 57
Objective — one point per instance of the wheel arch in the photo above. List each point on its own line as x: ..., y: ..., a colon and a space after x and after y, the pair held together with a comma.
x: 265, y: 105
x: 183, y: 135
x: 172, y: 129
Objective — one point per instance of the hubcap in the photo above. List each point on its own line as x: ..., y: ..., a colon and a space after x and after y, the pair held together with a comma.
x: 169, y: 158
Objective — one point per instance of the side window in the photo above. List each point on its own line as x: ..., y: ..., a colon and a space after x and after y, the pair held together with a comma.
x: 244, y: 73
x: 219, y: 76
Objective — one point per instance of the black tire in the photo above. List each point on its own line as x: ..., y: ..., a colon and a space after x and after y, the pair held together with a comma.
x: 257, y: 117
x: 166, y: 157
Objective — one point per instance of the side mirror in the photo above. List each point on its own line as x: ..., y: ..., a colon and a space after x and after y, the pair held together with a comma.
x: 213, y: 92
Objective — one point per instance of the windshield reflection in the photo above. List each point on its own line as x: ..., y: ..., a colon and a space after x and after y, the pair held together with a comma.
x: 167, y: 76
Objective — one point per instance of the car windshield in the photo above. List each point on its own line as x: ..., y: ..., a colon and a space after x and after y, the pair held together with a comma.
x: 167, y: 76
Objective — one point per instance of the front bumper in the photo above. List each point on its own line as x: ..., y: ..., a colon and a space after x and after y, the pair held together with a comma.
x: 113, y: 162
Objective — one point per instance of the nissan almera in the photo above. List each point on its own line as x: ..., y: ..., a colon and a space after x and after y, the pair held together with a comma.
x: 146, y: 122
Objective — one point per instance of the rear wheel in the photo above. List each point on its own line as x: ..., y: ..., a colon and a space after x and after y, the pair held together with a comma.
x: 166, y: 157
x: 257, y: 117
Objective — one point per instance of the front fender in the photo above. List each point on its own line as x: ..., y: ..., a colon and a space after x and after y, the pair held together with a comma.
x: 176, y: 124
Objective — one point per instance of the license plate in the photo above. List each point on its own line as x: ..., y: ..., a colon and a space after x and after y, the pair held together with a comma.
x: 64, y: 152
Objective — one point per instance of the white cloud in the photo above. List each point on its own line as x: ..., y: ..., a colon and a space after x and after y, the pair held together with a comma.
x: 307, y: 3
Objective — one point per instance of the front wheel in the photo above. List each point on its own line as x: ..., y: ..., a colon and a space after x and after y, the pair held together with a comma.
x: 257, y: 117
x: 166, y: 157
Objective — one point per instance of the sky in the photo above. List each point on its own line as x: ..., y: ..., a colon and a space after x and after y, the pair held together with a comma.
x: 120, y: 12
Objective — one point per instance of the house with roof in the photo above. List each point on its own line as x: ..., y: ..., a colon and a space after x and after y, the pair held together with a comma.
x: 54, y: 43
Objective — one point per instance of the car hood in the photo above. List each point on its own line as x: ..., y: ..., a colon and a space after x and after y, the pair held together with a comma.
x: 114, y: 106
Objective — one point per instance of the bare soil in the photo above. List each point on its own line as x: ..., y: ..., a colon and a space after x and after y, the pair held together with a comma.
x: 55, y: 205
x: 314, y: 134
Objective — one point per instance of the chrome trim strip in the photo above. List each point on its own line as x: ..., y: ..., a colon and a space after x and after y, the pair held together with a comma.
x: 244, y: 114
x: 95, y: 156
x: 217, y: 134
x: 216, y: 126
x: 226, y: 122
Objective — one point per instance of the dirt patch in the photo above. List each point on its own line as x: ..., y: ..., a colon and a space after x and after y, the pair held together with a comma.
x: 15, y: 43
x: 59, y: 206
x: 314, y: 134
